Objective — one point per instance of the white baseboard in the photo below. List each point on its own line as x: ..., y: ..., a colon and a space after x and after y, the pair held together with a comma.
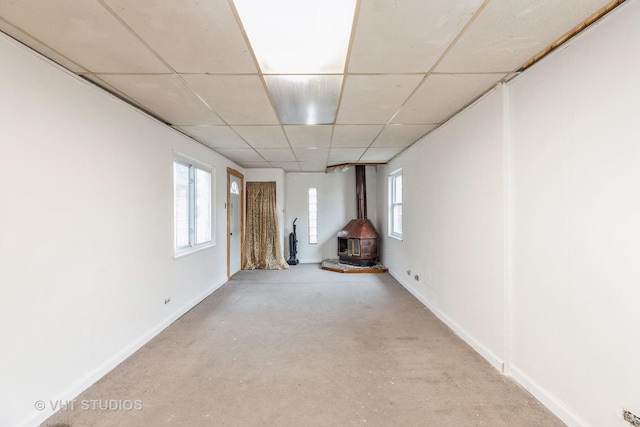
x: 546, y: 398
x: 310, y: 261
x: 37, y: 417
x: 491, y: 357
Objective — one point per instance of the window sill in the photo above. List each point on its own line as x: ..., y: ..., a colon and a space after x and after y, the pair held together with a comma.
x: 186, y: 252
x: 395, y: 237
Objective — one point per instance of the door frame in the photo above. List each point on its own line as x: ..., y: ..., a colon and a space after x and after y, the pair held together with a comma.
x: 237, y: 174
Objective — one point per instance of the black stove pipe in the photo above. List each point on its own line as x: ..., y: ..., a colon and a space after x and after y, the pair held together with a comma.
x: 361, y: 192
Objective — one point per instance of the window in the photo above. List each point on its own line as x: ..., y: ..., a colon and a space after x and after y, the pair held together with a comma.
x: 313, y: 216
x: 395, y: 204
x: 192, y: 205
x: 235, y: 188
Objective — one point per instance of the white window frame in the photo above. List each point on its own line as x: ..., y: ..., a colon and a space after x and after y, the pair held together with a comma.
x: 393, y: 231
x: 313, y: 209
x: 194, y: 166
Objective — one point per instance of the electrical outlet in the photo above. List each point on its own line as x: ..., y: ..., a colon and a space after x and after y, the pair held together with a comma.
x: 631, y: 418
x: 408, y: 272
x: 416, y: 277
x: 167, y: 301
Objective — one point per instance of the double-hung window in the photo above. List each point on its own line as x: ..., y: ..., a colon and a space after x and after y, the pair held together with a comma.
x: 192, y: 205
x: 395, y: 204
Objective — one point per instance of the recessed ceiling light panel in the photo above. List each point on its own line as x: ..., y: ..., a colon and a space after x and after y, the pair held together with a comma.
x: 305, y: 100
x: 298, y: 36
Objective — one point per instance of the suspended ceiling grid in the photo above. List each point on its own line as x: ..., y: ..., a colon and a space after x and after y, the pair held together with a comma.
x: 411, y: 65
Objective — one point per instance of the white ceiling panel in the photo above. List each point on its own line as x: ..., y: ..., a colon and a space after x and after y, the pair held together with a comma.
x: 313, y: 166
x: 310, y: 154
x: 380, y: 154
x: 192, y: 36
x: 277, y: 154
x: 215, y: 136
x: 238, y: 99
x: 85, y: 32
x: 345, y: 155
x: 263, y: 136
x: 406, y: 36
x: 254, y: 165
x: 241, y: 154
x: 34, y: 44
x: 441, y: 95
x: 509, y: 32
x: 347, y: 136
x: 165, y: 95
x: 374, y: 99
x: 309, y: 136
x: 401, y: 135
x: 286, y: 166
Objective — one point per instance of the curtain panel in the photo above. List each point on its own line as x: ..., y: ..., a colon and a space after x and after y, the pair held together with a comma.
x: 262, y: 236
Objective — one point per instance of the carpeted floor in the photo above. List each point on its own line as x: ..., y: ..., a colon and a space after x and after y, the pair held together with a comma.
x: 307, y: 347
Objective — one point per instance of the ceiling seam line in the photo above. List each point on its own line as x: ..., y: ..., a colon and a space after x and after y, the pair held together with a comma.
x: 28, y: 34
x: 442, y: 56
x: 471, y: 20
x: 136, y: 35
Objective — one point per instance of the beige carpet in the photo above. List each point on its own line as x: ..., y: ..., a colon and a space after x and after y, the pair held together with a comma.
x: 307, y: 347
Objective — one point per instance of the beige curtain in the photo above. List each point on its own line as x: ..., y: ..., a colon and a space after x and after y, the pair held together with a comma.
x: 262, y: 237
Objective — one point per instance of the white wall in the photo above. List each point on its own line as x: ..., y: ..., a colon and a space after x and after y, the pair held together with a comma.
x: 336, y: 207
x: 522, y: 218
x: 277, y: 176
x: 86, y: 233
x: 453, y: 224
x: 576, y: 224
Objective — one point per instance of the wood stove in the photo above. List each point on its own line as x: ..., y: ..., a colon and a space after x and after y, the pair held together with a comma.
x: 358, y: 240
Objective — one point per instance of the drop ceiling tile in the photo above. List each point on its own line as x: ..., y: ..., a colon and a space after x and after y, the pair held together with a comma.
x: 507, y: 33
x: 309, y: 136
x: 442, y: 95
x: 165, y: 95
x: 240, y: 155
x: 39, y: 47
x: 239, y: 100
x: 215, y: 136
x: 374, y: 99
x: 352, y: 136
x: 380, y: 154
x: 263, y: 136
x: 345, y: 155
x: 313, y: 166
x: 286, y: 166
x: 311, y: 155
x: 192, y: 36
x: 256, y: 165
x: 85, y: 32
x: 406, y: 36
x: 401, y: 135
x: 277, y: 154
